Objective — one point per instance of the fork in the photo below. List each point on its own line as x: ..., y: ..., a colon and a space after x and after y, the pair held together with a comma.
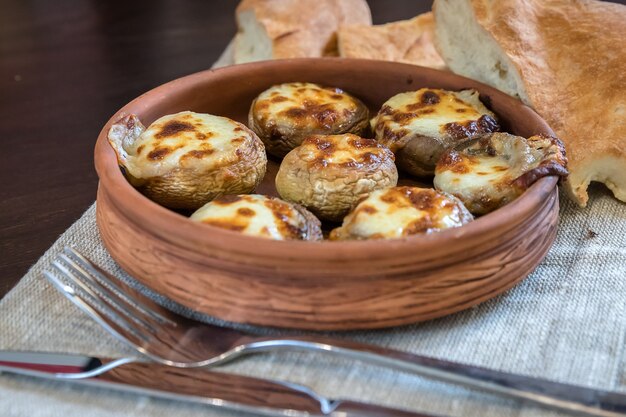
x: 171, y: 339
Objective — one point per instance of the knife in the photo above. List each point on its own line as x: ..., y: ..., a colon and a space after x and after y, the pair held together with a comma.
x: 228, y: 391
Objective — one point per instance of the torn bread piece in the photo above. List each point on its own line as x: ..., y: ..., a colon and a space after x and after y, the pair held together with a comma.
x: 491, y: 171
x: 409, y: 41
x: 278, y: 29
x: 564, y: 58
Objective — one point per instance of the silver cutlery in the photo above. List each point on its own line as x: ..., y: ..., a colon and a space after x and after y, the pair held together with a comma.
x: 174, y: 340
x: 228, y: 391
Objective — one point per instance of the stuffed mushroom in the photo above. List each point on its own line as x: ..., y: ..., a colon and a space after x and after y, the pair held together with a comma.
x: 491, y: 171
x: 184, y: 160
x: 261, y: 216
x: 418, y: 126
x: 329, y: 174
x: 285, y: 114
x: 402, y: 211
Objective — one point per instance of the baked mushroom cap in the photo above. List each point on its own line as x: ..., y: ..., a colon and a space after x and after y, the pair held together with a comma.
x: 262, y: 216
x: 329, y: 174
x: 402, y: 211
x: 184, y: 160
x: 488, y: 172
x: 418, y: 126
x: 285, y: 114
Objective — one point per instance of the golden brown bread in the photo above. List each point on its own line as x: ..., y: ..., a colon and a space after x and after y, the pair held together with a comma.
x: 275, y: 29
x: 565, y: 58
x: 409, y: 41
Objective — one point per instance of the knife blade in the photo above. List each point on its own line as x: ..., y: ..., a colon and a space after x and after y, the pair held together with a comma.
x: 218, y: 389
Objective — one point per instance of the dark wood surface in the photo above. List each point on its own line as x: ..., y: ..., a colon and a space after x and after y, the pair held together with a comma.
x: 65, y: 68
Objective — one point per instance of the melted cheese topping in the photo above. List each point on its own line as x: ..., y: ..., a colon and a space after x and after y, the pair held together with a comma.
x: 304, y: 106
x: 432, y: 113
x: 254, y: 215
x: 479, y: 171
x: 186, y: 140
x: 346, y: 150
x: 402, y: 211
x: 484, y: 173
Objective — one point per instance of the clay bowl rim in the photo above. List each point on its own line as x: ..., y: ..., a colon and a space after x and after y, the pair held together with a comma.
x: 169, y: 223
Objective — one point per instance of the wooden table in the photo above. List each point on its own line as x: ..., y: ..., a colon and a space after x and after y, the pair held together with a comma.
x: 65, y: 68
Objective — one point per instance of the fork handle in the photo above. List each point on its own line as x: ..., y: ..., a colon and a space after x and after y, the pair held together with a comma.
x: 564, y: 397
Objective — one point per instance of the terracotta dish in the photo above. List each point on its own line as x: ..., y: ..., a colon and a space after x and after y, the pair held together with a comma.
x: 319, y: 285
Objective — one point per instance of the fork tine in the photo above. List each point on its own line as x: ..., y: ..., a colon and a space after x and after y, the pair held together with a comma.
x: 107, y: 280
x: 96, y: 291
x: 91, y: 310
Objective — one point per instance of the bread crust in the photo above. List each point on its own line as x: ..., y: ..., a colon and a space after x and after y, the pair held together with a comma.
x: 409, y: 41
x: 300, y: 28
x: 571, y: 59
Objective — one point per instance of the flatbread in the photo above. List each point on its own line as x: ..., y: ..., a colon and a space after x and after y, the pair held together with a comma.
x: 409, y: 41
x: 565, y: 58
x: 278, y: 29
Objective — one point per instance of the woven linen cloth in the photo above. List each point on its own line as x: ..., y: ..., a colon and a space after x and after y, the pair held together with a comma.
x: 565, y: 322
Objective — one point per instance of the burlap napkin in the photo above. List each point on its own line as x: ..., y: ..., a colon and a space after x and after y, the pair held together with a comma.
x: 566, y: 322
